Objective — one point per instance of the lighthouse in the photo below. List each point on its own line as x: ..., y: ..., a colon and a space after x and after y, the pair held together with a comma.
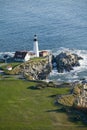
x: 36, y: 50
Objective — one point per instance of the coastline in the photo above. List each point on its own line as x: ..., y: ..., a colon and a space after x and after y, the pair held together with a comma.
x: 75, y: 75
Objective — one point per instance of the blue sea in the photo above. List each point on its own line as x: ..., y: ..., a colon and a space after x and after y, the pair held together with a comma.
x: 59, y: 24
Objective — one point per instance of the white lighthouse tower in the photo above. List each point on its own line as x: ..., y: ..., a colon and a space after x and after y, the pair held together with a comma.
x: 36, y: 50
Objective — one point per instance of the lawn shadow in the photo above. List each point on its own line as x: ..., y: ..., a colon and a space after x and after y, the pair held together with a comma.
x: 77, y: 116
x: 73, y: 116
x: 52, y: 96
x: 60, y: 110
x: 33, y: 88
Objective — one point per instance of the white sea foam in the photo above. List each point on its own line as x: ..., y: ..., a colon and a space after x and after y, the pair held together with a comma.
x: 2, y: 54
x: 77, y: 72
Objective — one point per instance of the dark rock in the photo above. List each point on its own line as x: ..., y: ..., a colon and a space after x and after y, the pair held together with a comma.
x: 80, y: 58
x: 53, y: 59
x: 66, y: 61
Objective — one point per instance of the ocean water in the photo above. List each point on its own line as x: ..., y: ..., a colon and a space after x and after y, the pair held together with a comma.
x: 59, y: 24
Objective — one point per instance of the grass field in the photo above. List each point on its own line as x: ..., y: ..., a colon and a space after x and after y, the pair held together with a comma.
x: 24, y: 108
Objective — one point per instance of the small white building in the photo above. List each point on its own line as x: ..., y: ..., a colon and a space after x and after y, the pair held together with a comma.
x: 44, y: 53
x: 32, y: 54
x: 9, y: 68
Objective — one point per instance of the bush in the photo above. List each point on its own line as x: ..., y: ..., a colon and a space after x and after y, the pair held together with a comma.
x: 51, y: 84
x: 41, y: 85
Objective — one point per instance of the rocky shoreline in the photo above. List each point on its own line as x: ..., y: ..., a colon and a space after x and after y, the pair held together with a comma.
x: 65, y: 61
x: 40, y: 68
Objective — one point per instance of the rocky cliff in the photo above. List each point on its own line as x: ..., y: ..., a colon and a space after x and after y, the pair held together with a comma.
x: 35, y: 69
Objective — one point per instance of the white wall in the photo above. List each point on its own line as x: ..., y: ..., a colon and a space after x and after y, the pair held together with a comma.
x: 36, y: 49
x: 27, y: 57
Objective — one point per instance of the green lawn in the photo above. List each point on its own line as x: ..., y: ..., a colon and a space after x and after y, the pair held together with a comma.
x: 3, y: 66
x: 24, y: 108
x: 37, y: 59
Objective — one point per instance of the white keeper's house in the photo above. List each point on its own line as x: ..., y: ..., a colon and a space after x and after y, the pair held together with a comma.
x: 22, y: 56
